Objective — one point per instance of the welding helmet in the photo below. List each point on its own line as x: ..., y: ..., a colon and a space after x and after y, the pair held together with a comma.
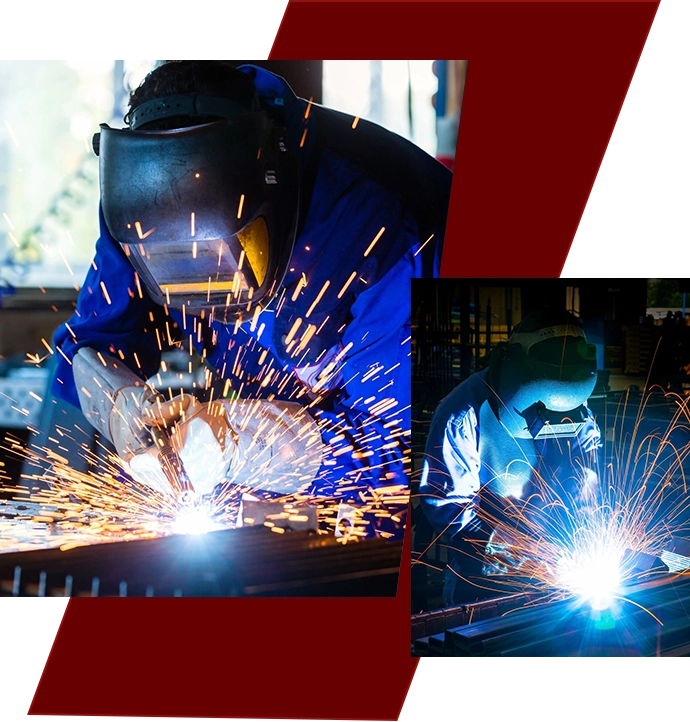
x: 206, y: 214
x: 547, y: 373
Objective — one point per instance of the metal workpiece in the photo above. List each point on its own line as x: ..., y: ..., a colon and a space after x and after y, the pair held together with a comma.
x: 228, y: 563
x: 651, y: 619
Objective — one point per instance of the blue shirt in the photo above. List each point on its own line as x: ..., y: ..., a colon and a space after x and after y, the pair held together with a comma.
x: 361, y: 183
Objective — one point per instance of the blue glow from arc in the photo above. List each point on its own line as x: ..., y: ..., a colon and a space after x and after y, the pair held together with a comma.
x: 195, y: 519
x: 593, y: 575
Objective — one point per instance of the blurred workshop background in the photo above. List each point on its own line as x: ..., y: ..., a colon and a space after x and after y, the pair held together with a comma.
x: 631, y: 321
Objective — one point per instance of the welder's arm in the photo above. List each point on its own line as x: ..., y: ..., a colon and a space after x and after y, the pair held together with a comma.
x: 126, y: 411
x: 114, y: 316
x: 450, y: 484
x: 450, y: 492
x: 119, y: 404
x: 365, y: 421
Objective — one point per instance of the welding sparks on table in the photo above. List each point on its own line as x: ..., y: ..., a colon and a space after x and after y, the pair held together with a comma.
x: 276, y: 239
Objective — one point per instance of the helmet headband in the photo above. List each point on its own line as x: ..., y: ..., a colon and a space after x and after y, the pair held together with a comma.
x: 191, y: 105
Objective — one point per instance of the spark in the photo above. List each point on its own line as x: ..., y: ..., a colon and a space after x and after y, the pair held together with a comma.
x: 592, y: 573
x: 11, y: 132
x: 106, y: 295
x: 302, y: 283
x: 307, y: 111
x: 317, y: 299
x: 419, y: 250
x: 255, y: 318
x: 580, y: 537
x: 69, y: 268
x: 143, y: 235
x: 374, y: 242
x: 306, y: 337
x: 347, y: 284
x: 195, y: 519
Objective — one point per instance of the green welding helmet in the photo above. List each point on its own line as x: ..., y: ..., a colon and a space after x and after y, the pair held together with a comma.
x: 206, y: 214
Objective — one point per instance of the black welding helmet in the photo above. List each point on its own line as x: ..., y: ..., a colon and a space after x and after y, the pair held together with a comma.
x: 206, y: 214
x: 547, y: 373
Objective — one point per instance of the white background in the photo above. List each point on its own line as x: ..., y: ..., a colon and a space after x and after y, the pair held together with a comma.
x: 636, y: 224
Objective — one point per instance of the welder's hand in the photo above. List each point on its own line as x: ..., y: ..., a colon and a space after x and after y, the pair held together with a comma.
x: 503, y: 553
x: 270, y: 446
x: 278, y: 445
x: 119, y: 404
x: 135, y: 411
x: 202, y: 438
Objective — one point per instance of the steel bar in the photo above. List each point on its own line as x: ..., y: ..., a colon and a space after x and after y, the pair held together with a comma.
x: 241, y: 562
x: 653, y: 618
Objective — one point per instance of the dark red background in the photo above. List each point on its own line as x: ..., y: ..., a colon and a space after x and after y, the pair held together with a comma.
x: 544, y: 87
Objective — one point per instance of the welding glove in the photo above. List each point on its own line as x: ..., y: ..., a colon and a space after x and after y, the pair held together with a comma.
x: 119, y: 404
x: 502, y: 554
x: 272, y: 446
x: 204, y: 442
x: 257, y: 445
x: 278, y: 445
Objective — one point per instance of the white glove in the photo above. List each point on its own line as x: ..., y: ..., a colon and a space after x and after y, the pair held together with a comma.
x: 259, y: 445
x: 204, y: 444
x: 263, y: 445
x: 502, y: 552
x: 119, y: 404
x: 279, y: 445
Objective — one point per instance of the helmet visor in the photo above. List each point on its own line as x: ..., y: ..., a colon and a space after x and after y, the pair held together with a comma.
x: 216, y: 272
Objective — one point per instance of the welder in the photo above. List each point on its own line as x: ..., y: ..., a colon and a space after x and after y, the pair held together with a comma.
x: 277, y: 238
x: 520, y: 422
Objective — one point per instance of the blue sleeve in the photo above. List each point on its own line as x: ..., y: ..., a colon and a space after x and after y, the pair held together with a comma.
x: 366, y: 430
x: 113, y: 315
x: 450, y: 483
